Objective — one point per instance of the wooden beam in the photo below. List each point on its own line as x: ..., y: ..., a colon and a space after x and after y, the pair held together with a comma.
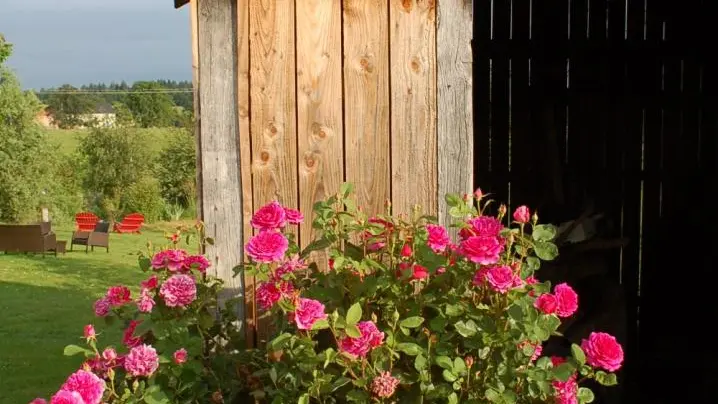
x: 221, y: 179
x: 195, y: 100
x: 455, y: 120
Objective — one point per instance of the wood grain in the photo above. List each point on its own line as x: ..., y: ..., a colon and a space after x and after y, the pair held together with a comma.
x: 366, y: 102
x: 221, y: 180
x: 273, y: 125
x: 412, y: 45
x: 319, y: 105
x: 455, y: 121
x: 194, y: 32
x: 245, y: 152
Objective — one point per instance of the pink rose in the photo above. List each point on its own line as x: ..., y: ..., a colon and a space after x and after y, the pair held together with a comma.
x: 269, y: 293
x: 522, y: 214
x: 150, y: 283
x: 180, y: 356
x: 109, y: 355
x: 146, y: 302
x: 531, y: 280
x: 566, y: 300
x: 485, y: 226
x: 173, y: 260
x: 179, y: 290
x: 89, y: 332
x: 67, y: 397
x: 557, y: 360
x: 198, y: 262
x: 478, y: 194
x: 38, y: 400
x: 501, y: 278
x: 537, y: 349
x: 440, y: 270
x: 293, y: 216
x: 438, y: 238
x: 118, y: 295
x: 142, y: 361
x: 406, y: 250
x: 419, y: 272
x: 128, y: 338
x: 603, y: 351
x: 370, y: 338
x: 269, y: 217
x: 482, y: 250
x: 377, y: 242
x: 384, y: 385
x: 308, y: 311
x: 546, y: 303
x: 290, y: 265
x: 566, y: 392
x: 90, y: 387
x: 267, y: 246
x: 480, y: 277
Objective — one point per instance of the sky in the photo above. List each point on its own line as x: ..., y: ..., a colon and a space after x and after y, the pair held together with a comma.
x: 88, y: 41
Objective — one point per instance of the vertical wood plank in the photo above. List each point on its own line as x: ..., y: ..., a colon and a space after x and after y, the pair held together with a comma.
x: 272, y: 109
x: 221, y: 180
x: 319, y: 104
x: 455, y: 123
x: 194, y: 30
x: 413, y: 99
x: 245, y: 151
x: 366, y: 102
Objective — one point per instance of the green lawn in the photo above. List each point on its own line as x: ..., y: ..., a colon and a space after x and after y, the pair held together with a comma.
x: 67, y: 140
x: 45, y: 302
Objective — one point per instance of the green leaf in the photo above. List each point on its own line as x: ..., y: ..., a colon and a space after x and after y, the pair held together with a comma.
x: 157, y: 397
x: 453, y: 398
x: 493, y: 396
x: 453, y: 200
x: 563, y: 371
x: 315, y: 245
x: 340, y: 382
x: 459, y: 366
x: 606, y: 379
x: 454, y: 310
x: 585, y: 395
x: 273, y: 375
x: 546, y: 251
x: 515, y: 312
x: 409, y: 348
x: 544, y: 232
x: 278, y: 342
x: 509, y: 397
x: 144, y: 263
x: 533, y: 263
x: 578, y: 354
x: 357, y: 396
x: 449, y: 376
x: 320, y: 324
x: 303, y: 399
x: 444, y: 362
x: 466, y: 329
x: 411, y: 322
x: 346, y: 189
x: 352, y: 331
x: 354, y: 315
x: 420, y: 362
x: 72, y: 350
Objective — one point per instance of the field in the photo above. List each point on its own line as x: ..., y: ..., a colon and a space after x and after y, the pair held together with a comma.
x: 45, y: 302
x: 67, y: 141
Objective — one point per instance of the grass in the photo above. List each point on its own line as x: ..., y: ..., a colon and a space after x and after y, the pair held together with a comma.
x: 45, y: 303
x: 67, y: 140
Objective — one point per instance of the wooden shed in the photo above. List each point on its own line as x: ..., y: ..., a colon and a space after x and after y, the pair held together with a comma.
x: 296, y: 97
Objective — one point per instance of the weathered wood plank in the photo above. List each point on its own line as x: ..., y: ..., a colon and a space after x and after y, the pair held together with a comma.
x: 455, y: 101
x: 319, y: 104
x: 221, y: 180
x: 273, y: 123
x: 366, y: 102
x: 412, y: 46
x: 245, y: 152
x: 195, y: 98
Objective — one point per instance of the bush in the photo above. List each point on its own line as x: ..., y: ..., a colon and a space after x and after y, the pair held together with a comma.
x: 144, y: 197
x: 176, y: 169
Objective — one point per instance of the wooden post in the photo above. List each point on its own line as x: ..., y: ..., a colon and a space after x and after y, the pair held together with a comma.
x: 195, y: 100
x: 455, y: 110
x: 221, y: 182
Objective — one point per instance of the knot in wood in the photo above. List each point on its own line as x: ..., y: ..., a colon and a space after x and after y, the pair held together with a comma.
x: 264, y: 156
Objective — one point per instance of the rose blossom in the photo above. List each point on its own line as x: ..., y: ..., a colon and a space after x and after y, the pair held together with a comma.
x: 267, y: 246
x: 268, y: 293
x: 198, y: 262
x: 406, y: 250
x: 128, y: 338
x: 142, y: 361
x: 180, y: 356
x: 603, y: 351
x: 290, y: 265
x: 293, y: 216
x: 145, y: 302
x: 150, y: 283
x: 566, y: 392
x: 522, y: 214
x: 546, y: 303
x: 269, y: 217
x: 88, y: 385
x: 566, y: 300
x: 378, y: 241
x: 173, y: 260
x: 89, y: 332
x: 486, y: 226
x: 482, y: 250
x: 370, y: 338
x: 179, y: 290
x: 308, y: 312
x: 118, y: 295
x: 419, y: 272
x: 438, y: 238
x: 501, y: 278
x: 384, y: 385
x: 38, y: 400
x: 531, y: 280
x: 537, y: 349
x: 67, y: 397
x: 109, y: 355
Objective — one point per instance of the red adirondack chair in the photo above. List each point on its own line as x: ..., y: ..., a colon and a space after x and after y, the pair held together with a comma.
x: 131, y: 223
x: 86, y: 221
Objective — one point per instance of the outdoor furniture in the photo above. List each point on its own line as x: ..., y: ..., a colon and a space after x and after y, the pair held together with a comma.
x: 60, y: 247
x: 131, y: 223
x: 86, y: 221
x: 35, y: 238
x: 98, y: 237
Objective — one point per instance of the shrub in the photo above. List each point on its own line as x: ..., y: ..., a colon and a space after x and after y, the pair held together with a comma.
x: 176, y: 169
x: 144, y: 197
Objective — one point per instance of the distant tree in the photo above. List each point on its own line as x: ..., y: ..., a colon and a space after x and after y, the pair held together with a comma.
x: 5, y: 50
x: 68, y: 107
x: 150, y: 106
x: 176, y: 167
x: 123, y: 115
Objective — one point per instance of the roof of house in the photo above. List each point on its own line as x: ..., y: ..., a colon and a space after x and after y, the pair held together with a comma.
x: 180, y: 3
x: 104, y: 108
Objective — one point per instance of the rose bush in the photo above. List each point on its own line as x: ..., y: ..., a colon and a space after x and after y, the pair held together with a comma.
x: 402, y: 313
